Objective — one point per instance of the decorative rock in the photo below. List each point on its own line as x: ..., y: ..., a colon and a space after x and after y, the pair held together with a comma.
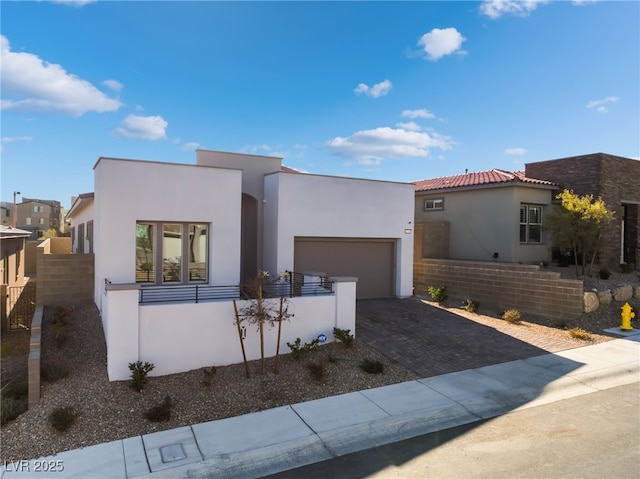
x: 623, y: 293
x: 605, y: 297
x: 591, y: 302
x: 636, y: 292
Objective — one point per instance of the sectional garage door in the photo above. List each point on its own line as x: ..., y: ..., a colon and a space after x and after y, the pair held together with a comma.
x: 370, y: 260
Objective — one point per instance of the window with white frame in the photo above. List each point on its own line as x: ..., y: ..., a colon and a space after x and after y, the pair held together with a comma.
x: 38, y: 209
x: 171, y: 253
x: 434, y: 204
x: 531, y: 224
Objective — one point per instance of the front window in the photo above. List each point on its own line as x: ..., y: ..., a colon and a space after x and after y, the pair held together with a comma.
x: 531, y: 224
x: 434, y: 204
x: 181, y: 249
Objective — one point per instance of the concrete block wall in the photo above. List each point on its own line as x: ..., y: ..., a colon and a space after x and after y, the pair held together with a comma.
x: 63, y: 278
x: 502, y: 286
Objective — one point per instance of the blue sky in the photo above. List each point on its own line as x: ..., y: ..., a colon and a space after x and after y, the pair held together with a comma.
x: 395, y: 91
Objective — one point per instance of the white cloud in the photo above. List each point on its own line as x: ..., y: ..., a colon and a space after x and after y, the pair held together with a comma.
x: 113, y: 85
x: 440, y: 42
x: 375, y: 91
x: 190, y: 146
x: 409, y: 126
x: 74, y: 3
x: 11, y: 139
x: 371, y: 147
x: 515, y: 151
x: 601, y: 105
x: 36, y: 85
x: 581, y: 3
x: 143, y: 127
x: 421, y: 113
x: 520, y: 8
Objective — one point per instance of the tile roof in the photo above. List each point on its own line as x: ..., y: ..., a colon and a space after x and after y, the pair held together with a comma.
x: 478, y: 179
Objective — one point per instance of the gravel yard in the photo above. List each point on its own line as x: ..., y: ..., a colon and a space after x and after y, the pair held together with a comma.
x: 108, y: 411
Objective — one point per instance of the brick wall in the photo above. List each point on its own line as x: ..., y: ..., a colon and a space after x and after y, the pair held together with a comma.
x: 502, y: 286
x: 613, y: 178
x: 63, y: 278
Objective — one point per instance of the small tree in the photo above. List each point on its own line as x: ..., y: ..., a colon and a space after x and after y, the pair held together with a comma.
x: 50, y: 233
x: 259, y: 311
x: 578, y: 225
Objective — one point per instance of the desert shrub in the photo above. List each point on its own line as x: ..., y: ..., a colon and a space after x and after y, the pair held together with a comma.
x: 298, y: 350
x: 139, y: 371
x: 332, y: 359
x: 7, y: 410
x: 52, y: 372
x: 318, y: 370
x: 578, y: 333
x: 604, y: 273
x: 626, y: 268
x: 470, y: 306
x: 511, y: 316
x: 370, y: 366
x: 160, y: 412
x: 16, y: 389
x: 438, y: 293
x: 62, y: 418
x: 207, y: 376
x: 344, y: 336
x: 5, y: 349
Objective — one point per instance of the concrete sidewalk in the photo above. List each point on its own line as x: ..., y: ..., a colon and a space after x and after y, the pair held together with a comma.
x: 267, y: 442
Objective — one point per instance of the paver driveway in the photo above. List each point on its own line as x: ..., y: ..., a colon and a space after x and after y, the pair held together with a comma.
x: 431, y: 341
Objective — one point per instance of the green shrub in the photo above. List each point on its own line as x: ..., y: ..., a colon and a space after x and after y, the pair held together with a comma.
x: 16, y: 389
x: 604, y: 273
x: 160, y: 412
x: 344, y: 336
x: 62, y: 418
x: 511, y: 316
x: 298, y: 350
x: 5, y: 349
x: 139, y: 371
x: 372, y: 367
x: 470, y: 306
x: 52, y: 372
x: 438, y: 293
x: 7, y: 410
x: 318, y: 370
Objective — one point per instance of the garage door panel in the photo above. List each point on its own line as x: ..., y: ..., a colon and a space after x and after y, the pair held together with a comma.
x: 371, y: 261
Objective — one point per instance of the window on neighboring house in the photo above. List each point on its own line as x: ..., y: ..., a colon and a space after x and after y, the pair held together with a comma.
x: 38, y: 209
x: 80, y: 249
x: 40, y: 221
x: 531, y: 224
x: 28, y: 221
x: 90, y: 235
x: 180, y: 248
x: 434, y: 204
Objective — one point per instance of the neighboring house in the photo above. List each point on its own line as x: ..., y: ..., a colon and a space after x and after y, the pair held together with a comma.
x: 81, y: 220
x: 175, y: 232
x: 6, y: 213
x: 12, y: 269
x: 617, y: 181
x: 38, y: 216
x: 490, y: 215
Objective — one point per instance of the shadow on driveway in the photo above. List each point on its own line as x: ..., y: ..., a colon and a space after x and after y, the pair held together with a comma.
x: 430, y: 341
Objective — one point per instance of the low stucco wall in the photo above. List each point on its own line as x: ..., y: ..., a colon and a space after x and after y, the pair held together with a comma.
x: 178, y: 337
x: 503, y: 286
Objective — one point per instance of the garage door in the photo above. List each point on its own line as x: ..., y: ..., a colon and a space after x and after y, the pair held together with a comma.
x: 371, y: 261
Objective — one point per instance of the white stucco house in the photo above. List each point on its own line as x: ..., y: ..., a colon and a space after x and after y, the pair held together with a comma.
x: 172, y: 242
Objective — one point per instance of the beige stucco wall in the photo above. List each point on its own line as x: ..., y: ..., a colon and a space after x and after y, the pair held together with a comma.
x: 486, y: 221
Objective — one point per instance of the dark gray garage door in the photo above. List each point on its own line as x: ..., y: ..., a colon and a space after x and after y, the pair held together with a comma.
x: 371, y: 261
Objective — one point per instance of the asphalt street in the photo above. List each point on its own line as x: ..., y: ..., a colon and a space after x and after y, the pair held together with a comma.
x: 591, y: 436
